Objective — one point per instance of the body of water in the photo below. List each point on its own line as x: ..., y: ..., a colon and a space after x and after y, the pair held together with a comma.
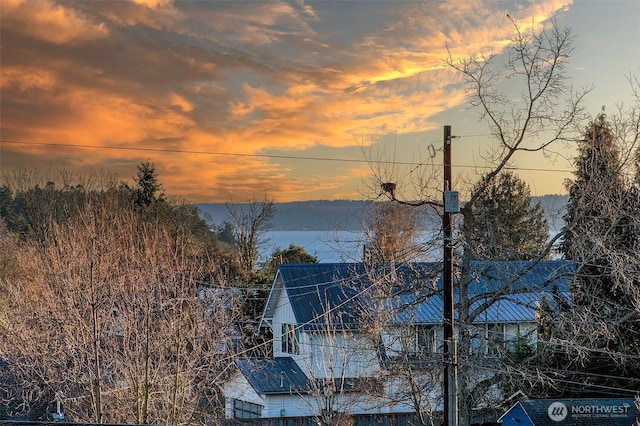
x: 327, y: 246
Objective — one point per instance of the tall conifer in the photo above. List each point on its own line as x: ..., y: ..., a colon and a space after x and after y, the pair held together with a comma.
x: 601, y: 236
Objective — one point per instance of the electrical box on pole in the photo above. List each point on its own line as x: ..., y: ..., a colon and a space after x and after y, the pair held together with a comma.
x: 451, y: 203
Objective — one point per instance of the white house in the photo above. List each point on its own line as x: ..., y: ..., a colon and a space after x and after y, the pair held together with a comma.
x: 348, y: 336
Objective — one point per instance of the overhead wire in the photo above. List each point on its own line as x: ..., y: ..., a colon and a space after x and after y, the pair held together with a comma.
x: 581, y: 385
x: 414, y: 164
x: 184, y: 151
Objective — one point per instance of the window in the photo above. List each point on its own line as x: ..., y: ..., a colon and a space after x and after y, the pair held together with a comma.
x: 488, y: 340
x: 407, y: 340
x: 418, y: 340
x: 290, y: 339
x: 495, y: 339
x: 426, y: 337
x: 478, y: 341
x: 246, y: 410
x: 520, y: 338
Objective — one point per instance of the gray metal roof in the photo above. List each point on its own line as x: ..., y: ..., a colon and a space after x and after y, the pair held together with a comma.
x: 281, y: 375
x: 413, y: 292
x: 348, y: 290
x: 573, y: 412
x: 273, y: 375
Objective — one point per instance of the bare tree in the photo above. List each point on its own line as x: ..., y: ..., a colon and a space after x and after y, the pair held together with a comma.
x: 42, y: 200
x: 250, y: 223
x: 109, y: 319
x: 590, y: 335
x: 393, y: 233
x: 545, y: 114
x: 411, y: 373
x: 409, y: 350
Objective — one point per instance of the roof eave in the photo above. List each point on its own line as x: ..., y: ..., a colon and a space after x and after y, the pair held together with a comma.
x: 269, y: 308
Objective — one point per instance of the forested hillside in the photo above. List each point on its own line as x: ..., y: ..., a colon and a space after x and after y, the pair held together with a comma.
x: 347, y: 215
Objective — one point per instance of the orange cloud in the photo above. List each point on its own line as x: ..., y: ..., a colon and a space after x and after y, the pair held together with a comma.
x: 152, y: 3
x: 49, y: 21
x: 27, y: 78
x: 184, y: 82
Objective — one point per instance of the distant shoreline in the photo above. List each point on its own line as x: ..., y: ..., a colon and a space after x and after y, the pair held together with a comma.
x: 345, y: 215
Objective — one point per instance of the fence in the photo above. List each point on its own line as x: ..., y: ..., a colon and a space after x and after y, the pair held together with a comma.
x: 395, y: 419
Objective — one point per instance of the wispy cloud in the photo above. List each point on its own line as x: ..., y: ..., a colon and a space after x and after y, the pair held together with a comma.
x: 233, y: 77
x: 49, y: 22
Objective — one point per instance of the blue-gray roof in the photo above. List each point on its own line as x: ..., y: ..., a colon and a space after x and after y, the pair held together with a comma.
x: 572, y: 412
x: 413, y: 292
x: 273, y: 375
x: 281, y: 375
x: 346, y: 290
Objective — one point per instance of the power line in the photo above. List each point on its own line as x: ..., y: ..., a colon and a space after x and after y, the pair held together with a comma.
x: 184, y: 151
x: 415, y: 165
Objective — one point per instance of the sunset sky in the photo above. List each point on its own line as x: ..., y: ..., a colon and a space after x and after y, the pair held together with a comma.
x: 221, y: 95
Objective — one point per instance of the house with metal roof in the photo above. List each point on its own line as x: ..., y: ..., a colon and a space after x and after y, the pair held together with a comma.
x: 573, y: 412
x: 341, y: 330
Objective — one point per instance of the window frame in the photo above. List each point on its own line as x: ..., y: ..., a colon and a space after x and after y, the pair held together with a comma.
x: 247, y: 410
x: 290, y: 339
x: 426, y: 339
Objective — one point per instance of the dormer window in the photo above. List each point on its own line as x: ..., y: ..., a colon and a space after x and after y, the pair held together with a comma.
x: 290, y: 339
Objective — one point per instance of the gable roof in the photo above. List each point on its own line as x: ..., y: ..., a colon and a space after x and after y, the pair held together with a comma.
x: 413, y: 291
x: 273, y: 375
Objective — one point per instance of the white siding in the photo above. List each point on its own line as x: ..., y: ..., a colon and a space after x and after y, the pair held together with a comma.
x: 392, y: 339
x: 307, y: 405
x: 239, y: 388
x: 294, y: 405
x: 338, y: 355
x: 352, y: 355
x: 283, y: 315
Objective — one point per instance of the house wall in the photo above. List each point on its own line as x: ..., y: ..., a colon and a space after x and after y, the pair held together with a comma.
x: 486, y: 336
x: 283, y: 315
x: 398, y: 389
x: 396, y: 340
x: 519, y: 332
x: 341, y: 354
x: 239, y: 388
x: 327, y: 354
x: 324, y: 354
x: 354, y: 355
x: 483, y: 336
x: 293, y: 405
x: 307, y: 405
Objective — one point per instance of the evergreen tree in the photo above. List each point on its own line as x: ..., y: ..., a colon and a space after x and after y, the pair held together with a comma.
x: 601, y: 236
x: 14, y: 222
x: 596, y: 194
x: 600, y: 233
x: 149, y: 188
x: 503, y: 224
x: 226, y: 234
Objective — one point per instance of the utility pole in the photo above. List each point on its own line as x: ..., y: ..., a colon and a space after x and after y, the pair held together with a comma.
x: 450, y: 201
